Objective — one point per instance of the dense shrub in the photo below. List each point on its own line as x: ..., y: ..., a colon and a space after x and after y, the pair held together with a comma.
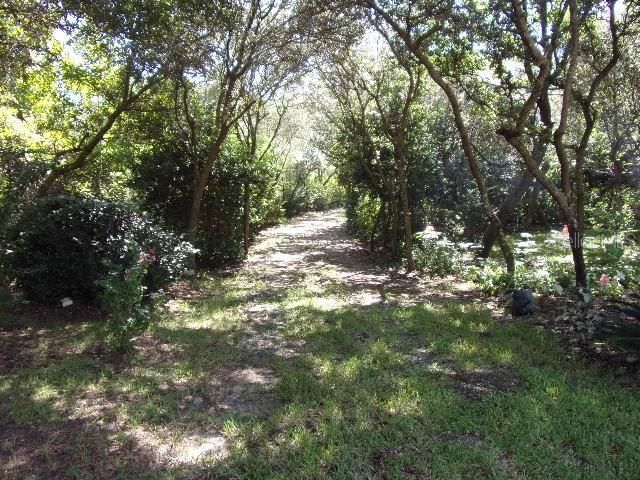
x: 62, y: 245
x: 365, y: 217
x: 543, y: 275
x: 435, y: 255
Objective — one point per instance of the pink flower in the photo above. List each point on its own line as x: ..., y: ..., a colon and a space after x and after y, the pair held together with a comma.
x: 147, y: 257
x: 604, y: 280
x: 565, y: 231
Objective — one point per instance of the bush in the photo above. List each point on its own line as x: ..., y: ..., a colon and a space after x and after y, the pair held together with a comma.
x: 435, y: 256
x: 545, y: 277
x: 123, y: 296
x: 365, y: 221
x: 62, y: 245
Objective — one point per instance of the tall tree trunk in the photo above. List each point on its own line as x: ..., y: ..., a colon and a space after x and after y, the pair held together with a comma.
x: 376, y: 225
x: 200, y: 185
x: 577, y: 251
x: 246, y: 213
x: 395, y: 223
x: 467, y: 144
x: 532, y: 205
x: 510, y: 203
x: 406, y: 212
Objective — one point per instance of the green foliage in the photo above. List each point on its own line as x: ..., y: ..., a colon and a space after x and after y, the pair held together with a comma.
x: 324, y: 194
x: 612, y: 267
x: 123, y: 296
x: 445, y: 220
x: 62, y: 245
x: 364, y: 217
x: 614, y: 212
x: 310, y: 186
x: 436, y: 256
x: 548, y: 277
x: 544, y: 264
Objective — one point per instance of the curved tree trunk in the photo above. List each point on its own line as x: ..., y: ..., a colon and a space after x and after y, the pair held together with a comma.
x: 510, y: 203
x: 513, y: 200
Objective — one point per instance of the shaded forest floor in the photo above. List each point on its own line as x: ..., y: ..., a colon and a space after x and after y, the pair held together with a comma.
x: 312, y: 360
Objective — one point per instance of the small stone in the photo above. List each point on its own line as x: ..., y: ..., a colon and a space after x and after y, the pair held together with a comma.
x: 66, y: 302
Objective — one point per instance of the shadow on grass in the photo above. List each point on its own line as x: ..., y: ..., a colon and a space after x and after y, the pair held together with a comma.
x: 361, y: 406
x: 372, y: 393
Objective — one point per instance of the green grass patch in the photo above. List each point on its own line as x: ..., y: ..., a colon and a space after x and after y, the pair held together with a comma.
x: 371, y: 392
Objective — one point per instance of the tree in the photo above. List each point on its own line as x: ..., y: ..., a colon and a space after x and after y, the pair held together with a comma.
x: 394, y: 98
x: 416, y: 24
x: 552, y: 60
x: 99, y: 63
x: 252, y: 48
x: 249, y: 129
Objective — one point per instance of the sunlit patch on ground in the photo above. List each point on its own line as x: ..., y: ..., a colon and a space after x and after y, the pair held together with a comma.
x: 312, y: 360
x: 188, y: 448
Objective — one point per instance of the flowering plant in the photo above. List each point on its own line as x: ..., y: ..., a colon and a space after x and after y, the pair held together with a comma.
x: 124, y: 297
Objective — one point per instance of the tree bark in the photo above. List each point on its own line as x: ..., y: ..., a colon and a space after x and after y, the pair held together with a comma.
x: 246, y: 214
x: 406, y: 211
x: 577, y: 251
x: 376, y: 224
x: 505, y: 211
x: 200, y: 185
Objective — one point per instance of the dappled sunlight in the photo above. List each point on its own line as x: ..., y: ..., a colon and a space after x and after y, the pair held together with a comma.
x: 190, y: 448
x: 328, y: 304
x: 292, y: 365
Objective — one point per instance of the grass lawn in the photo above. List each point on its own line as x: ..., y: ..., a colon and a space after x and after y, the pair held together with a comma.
x: 429, y: 391
x: 310, y: 362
